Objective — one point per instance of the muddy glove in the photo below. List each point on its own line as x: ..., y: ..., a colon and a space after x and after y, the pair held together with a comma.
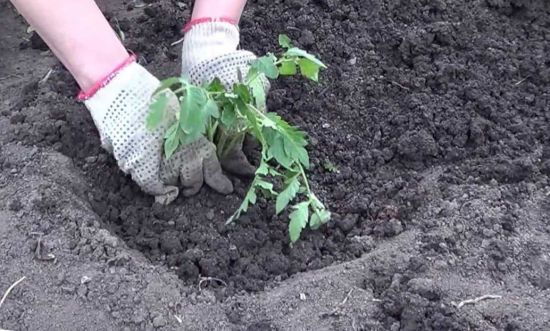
x: 119, y: 109
x: 209, y: 52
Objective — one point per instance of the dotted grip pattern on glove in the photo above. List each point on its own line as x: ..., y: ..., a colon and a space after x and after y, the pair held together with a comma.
x: 210, y: 51
x: 119, y: 111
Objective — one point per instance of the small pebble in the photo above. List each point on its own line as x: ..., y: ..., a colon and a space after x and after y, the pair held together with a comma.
x: 91, y: 159
x: 210, y: 215
x: 159, y: 321
x: 85, y: 279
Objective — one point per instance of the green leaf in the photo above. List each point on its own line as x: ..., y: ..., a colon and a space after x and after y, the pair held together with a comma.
x: 242, y: 92
x: 171, y: 129
x: 288, y: 68
x: 295, y: 51
x: 216, y: 86
x: 309, y: 69
x: 228, y: 115
x: 249, y: 199
x: 211, y: 108
x: 287, y: 195
x: 266, y: 65
x: 266, y: 186
x: 172, y: 141
x: 263, y: 169
x: 253, y: 122
x: 258, y: 92
x: 298, y: 220
x: 284, y: 41
x: 290, y: 139
x: 319, y: 218
x: 168, y: 83
x: 193, y: 112
x: 294, y: 149
x: 277, y: 151
x: 157, y: 111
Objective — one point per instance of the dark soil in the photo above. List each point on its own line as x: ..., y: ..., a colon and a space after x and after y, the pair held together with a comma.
x: 435, y: 116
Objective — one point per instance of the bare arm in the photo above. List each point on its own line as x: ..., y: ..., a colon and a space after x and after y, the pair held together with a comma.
x: 216, y: 9
x: 78, y: 34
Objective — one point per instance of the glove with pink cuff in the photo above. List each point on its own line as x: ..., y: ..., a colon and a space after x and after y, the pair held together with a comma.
x: 119, y: 105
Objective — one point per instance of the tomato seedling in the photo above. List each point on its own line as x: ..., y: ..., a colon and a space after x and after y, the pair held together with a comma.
x: 224, y: 116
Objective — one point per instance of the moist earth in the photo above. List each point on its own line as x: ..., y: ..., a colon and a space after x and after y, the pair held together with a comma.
x: 428, y: 140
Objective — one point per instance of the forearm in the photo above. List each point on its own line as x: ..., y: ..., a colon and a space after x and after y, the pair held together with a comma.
x: 217, y: 9
x: 78, y: 34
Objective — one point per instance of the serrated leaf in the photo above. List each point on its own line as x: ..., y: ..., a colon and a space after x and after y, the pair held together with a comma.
x: 267, y: 186
x: 288, y: 68
x: 193, y: 113
x: 157, y: 111
x: 263, y: 169
x: 293, y: 140
x: 277, y: 151
x: 295, y: 51
x: 298, y: 220
x: 258, y: 92
x: 284, y: 41
x: 211, y: 108
x: 171, y: 129
x: 319, y: 218
x: 249, y: 199
x: 309, y: 69
x: 295, y: 151
x: 172, y: 142
x: 242, y: 92
x: 216, y: 86
x: 168, y: 83
x: 228, y: 115
x: 287, y: 195
x: 266, y: 65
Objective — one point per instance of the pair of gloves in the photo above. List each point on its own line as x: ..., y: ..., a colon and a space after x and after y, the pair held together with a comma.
x: 120, y: 107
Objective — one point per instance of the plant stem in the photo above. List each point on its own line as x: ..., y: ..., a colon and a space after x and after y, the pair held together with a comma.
x: 221, y: 144
x: 306, y: 183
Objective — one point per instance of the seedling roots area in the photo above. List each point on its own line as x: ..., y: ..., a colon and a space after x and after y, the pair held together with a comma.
x: 428, y: 143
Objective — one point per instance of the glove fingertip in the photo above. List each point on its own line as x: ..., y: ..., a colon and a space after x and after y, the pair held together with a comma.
x: 167, y: 198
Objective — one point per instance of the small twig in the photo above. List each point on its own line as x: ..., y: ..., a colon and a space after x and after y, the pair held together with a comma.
x: 9, y: 76
x: 521, y: 81
x: 353, y: 324
x: 401, y: 86
x: 336, y: 310
x: 208, y: 279
x: 120, y: 32
x: 38, y: 253
x: 176, y: 42
x: 46, y: 77
x: 176, y: 317
x: 346, y: 298
x: 475, y: 300
x: 11, y: 288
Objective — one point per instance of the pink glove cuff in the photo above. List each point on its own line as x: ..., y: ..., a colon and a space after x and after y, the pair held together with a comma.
x: 85, y: 95
x: 196, y: 21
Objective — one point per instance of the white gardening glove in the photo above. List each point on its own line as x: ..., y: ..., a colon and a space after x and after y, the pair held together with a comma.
x: 119, y: 110
x: 209, y: 52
